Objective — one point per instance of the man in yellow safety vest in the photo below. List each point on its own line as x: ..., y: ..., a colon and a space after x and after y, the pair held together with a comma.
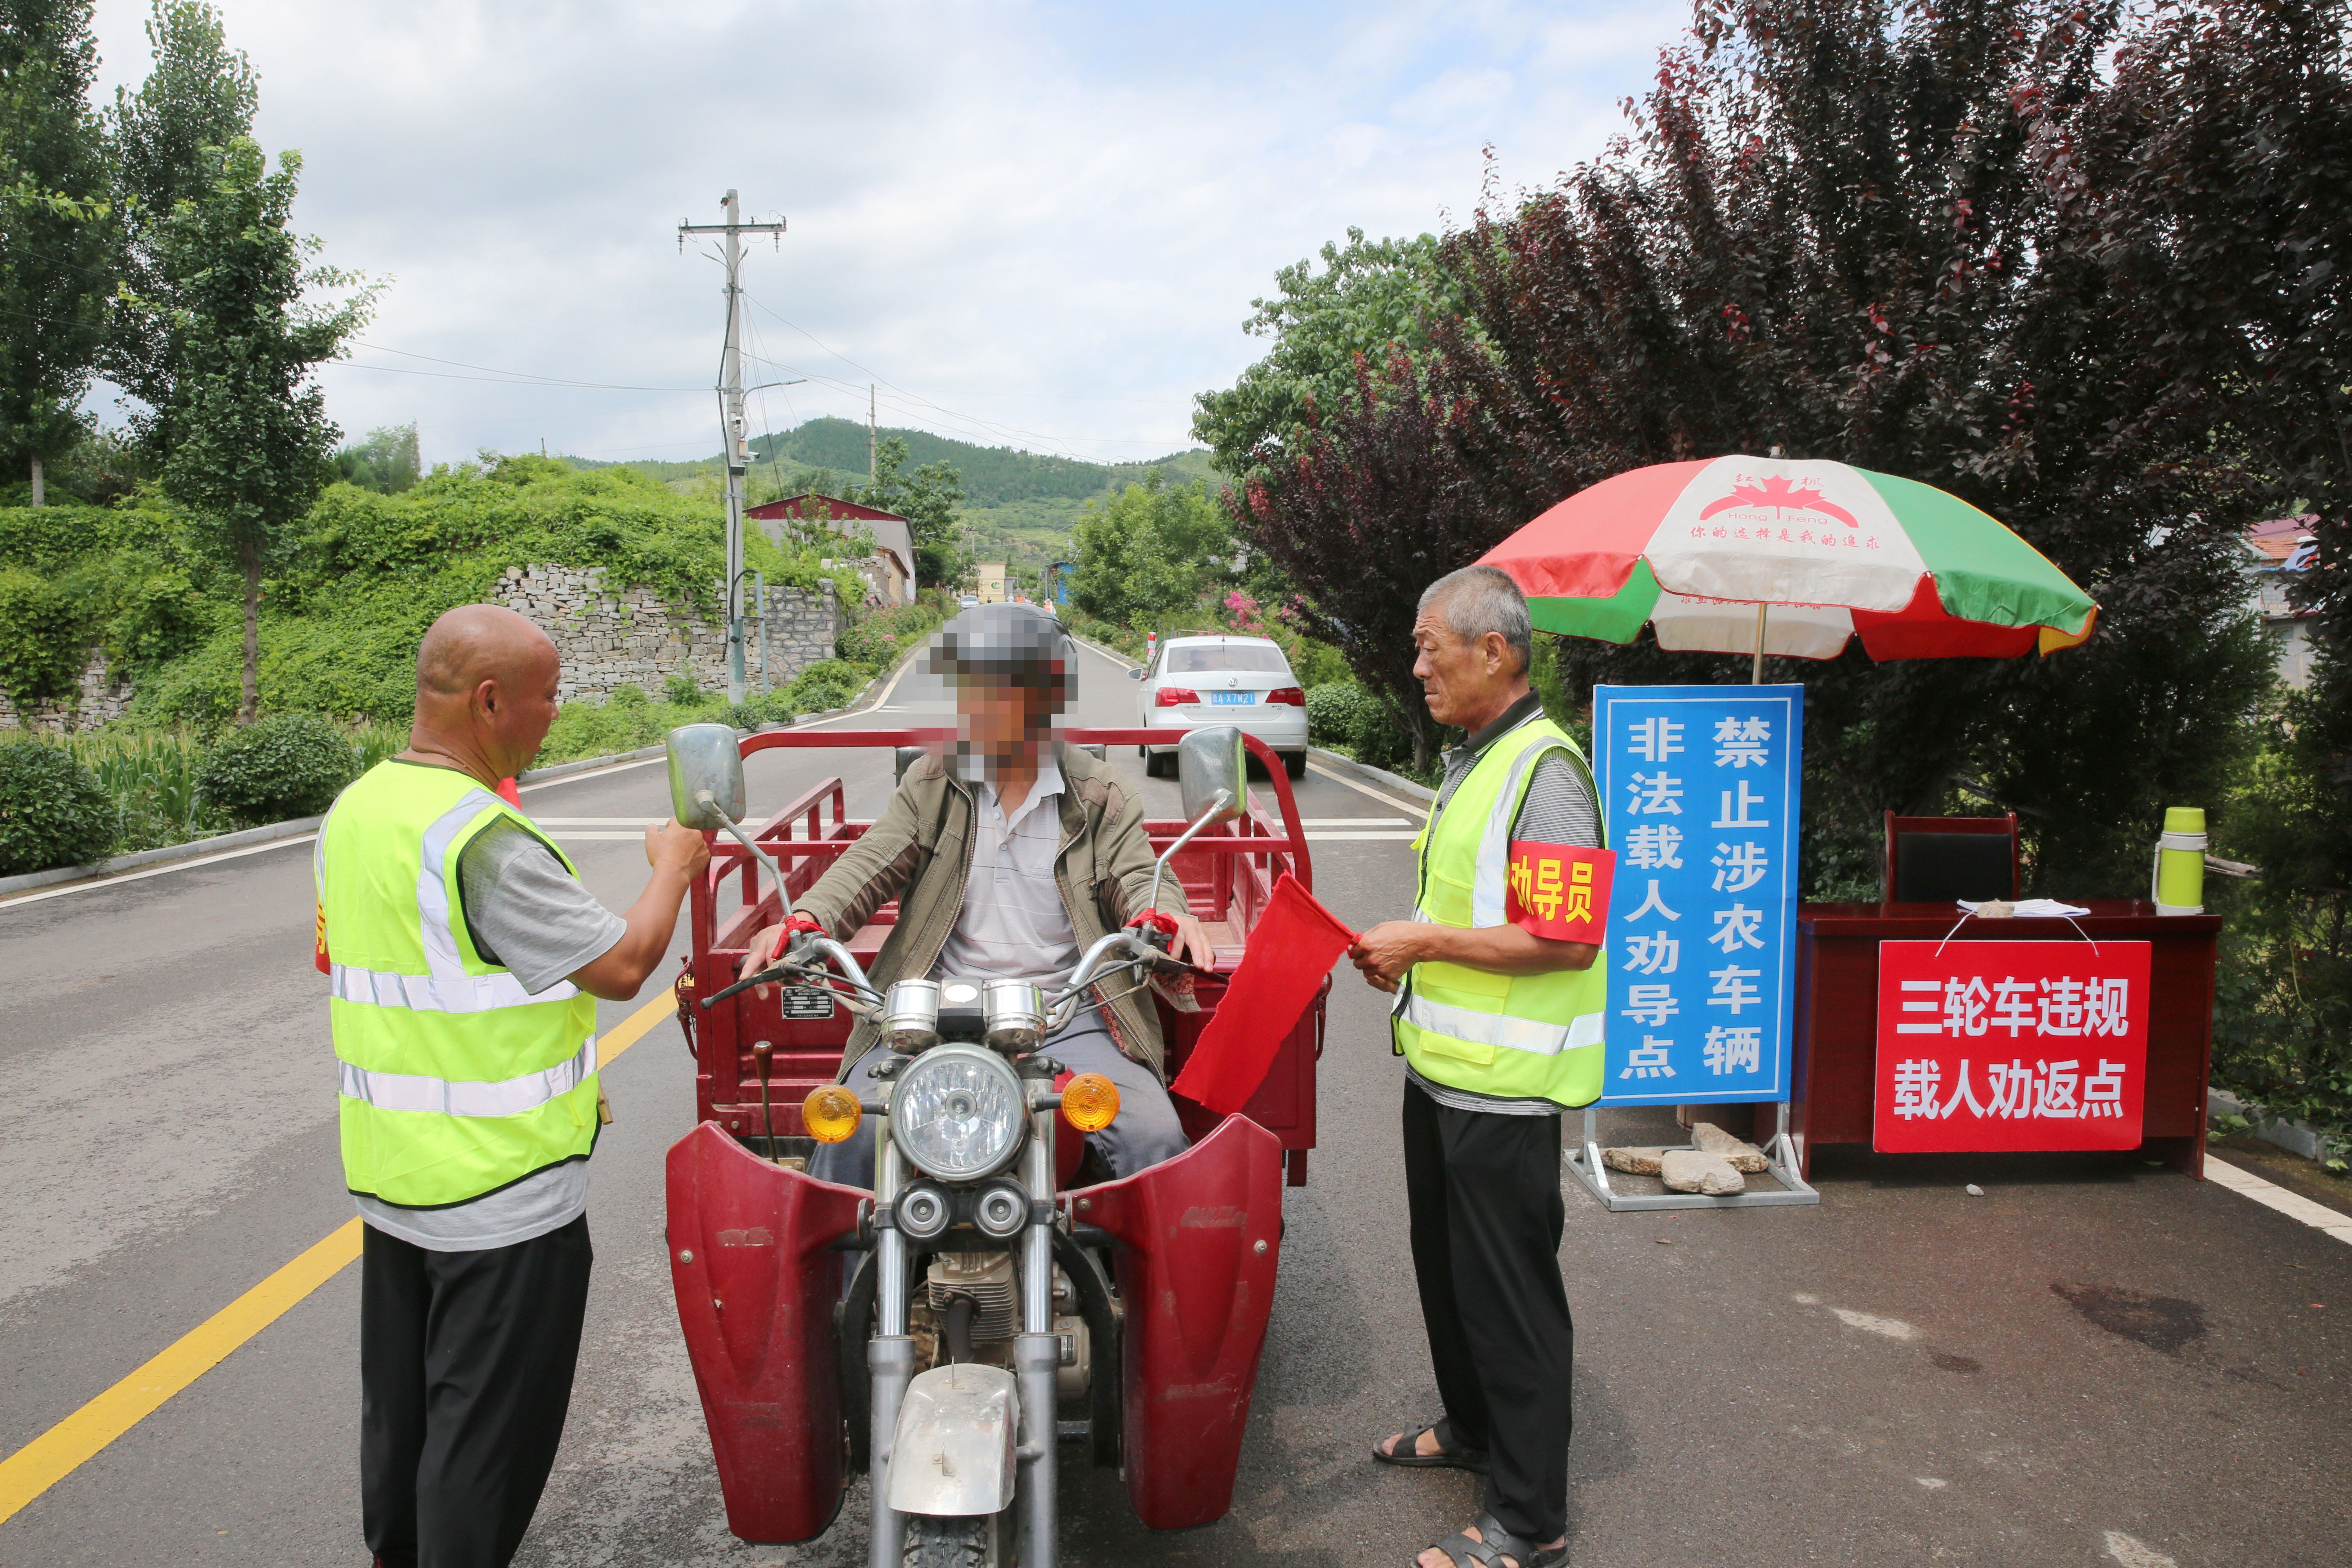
x: 1500, y: 1029
x: 465, y: 961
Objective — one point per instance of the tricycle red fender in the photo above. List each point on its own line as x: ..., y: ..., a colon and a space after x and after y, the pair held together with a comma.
x: 1133, y: 1309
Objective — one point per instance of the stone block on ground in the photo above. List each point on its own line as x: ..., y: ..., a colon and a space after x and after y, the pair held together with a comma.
x: 1742, y: 1155
x: 1633, y: 1161
x: 1694, y: 1171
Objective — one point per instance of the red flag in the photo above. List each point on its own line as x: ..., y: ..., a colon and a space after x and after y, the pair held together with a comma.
x: 509, y: 793
x: 1293, y: 946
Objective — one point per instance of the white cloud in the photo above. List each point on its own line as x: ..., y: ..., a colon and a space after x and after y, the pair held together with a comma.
x: 1041, y: 225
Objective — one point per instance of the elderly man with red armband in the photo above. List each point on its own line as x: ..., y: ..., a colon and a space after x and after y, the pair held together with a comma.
x: 1500, y: 1000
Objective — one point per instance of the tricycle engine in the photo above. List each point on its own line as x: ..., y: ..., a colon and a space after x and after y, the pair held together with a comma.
x: 988, y: 1281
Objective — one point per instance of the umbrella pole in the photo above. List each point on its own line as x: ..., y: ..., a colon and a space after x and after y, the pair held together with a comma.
x: 1755, y: 671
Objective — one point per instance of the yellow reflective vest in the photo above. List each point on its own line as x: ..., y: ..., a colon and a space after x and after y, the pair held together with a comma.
x: 1525, y: 1036
x: 455, y: 1082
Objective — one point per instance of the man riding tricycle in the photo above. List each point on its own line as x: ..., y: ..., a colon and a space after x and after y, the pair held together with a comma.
x: 941, y: 1220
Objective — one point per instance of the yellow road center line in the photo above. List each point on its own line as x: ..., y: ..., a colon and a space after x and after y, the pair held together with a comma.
x: 59, y: 1451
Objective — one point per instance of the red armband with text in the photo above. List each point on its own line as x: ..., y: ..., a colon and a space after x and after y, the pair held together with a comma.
x: 1560, y: 891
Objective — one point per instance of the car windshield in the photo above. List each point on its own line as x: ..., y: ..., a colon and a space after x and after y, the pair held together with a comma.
x: 1198, y: 658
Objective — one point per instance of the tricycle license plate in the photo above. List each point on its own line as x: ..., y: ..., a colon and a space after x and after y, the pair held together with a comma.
x: 807, y: 1002
x: 1231, y: 699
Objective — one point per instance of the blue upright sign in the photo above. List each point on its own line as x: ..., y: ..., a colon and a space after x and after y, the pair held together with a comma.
x: 1701, y: 784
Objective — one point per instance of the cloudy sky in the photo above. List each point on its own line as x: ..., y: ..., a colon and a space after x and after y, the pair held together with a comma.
x: 1032, y: 225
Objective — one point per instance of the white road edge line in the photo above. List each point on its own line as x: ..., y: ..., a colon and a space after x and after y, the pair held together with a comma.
x: 97, y: 882
x: 1419, y: 812
x: 2269, y: 1194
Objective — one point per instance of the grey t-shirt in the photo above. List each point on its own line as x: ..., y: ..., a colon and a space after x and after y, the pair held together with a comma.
x: 524, y: 910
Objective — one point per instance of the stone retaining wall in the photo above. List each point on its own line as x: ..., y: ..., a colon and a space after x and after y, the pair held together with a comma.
x: 629, y: 636
x: 97, y: 700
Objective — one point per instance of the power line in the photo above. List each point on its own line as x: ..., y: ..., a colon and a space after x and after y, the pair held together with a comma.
x: 518, y: 375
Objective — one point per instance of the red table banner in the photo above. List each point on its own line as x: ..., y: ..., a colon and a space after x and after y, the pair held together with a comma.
x: 2011, y: 1045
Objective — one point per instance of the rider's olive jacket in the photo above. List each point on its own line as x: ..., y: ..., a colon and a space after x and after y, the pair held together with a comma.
x: 919, y: 852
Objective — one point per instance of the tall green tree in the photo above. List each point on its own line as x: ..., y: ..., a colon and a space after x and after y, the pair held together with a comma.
x: 928, y: 498
x: 1373, y: 296
x: 199, y: 93
x: 387, y: 461
x: 244, y: 433
x: 56, y: 230
x: 1151, y: 547
x: 1842, y: 228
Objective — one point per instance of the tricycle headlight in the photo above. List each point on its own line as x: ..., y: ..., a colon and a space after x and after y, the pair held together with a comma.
x: 957, y: 1112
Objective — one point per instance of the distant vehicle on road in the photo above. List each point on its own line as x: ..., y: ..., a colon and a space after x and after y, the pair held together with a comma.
x: 969, y: 602
x: 1213, y: 679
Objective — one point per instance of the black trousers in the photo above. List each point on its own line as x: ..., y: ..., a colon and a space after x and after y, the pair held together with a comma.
x: 1483, y: 1192
x: 465, y: 1362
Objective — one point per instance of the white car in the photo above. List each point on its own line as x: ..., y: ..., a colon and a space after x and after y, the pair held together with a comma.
x: 1208, y: 680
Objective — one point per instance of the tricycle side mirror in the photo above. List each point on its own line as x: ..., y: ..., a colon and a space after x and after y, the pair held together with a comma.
x: 706, y: 776
x: 1210, y: 762
x: 706, y: 790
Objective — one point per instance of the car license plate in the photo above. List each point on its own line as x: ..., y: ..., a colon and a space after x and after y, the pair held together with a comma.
x: 1231, y: 699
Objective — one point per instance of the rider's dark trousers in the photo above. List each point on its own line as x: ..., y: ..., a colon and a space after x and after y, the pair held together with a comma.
x: 465, y: 1362
x: 1483, y: 1191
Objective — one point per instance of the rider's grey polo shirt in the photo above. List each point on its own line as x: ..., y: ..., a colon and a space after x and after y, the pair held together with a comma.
x: 1014, y: 924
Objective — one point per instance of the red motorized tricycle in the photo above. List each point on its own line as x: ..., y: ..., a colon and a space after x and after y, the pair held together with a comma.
x: 984, y: 1310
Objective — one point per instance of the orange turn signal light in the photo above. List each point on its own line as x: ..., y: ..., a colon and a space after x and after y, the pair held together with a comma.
x: 831, y: 1113
x: 1090, y: 1102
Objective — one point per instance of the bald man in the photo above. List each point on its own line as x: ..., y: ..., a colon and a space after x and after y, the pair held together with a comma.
x: 465, y: 961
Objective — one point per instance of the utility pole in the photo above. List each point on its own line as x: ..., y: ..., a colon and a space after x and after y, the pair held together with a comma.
x: 731, y: 398
x: 872, y: 472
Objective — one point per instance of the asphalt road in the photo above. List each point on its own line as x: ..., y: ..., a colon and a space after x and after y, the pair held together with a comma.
x: 2098, y: 1361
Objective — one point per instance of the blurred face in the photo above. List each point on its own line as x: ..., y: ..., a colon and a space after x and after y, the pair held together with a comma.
x: 1002, y: 719
x: 1465, y: 683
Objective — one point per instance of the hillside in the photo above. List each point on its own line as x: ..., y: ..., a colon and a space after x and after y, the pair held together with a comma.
x: 1018, y: 506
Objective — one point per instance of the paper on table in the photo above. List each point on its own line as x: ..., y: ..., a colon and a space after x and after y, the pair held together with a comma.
x: 2032, y: 909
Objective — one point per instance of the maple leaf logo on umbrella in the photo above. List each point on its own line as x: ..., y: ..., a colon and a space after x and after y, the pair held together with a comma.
x: 1777, y: 493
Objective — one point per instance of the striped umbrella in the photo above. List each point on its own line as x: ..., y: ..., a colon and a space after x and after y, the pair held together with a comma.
x: 1790, y: 557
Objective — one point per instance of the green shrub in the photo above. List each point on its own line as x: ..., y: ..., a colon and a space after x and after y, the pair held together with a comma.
x: 867, y: 644
x: 40, y: 654
x: 292, y: 764
x: 53, y: 810
x: 830, y: 683
x: 1343, y: 715
x: 150, y: 777
x: 681, y: 691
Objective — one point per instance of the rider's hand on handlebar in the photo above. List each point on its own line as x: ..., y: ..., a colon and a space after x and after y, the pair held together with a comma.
x: 1192, y: 943
x: 769, y: 946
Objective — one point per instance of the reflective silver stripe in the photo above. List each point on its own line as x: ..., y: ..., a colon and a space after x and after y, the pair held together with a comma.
x: 433, y: 993
x: 1494, y: 843
x: 1500, y: 1029
x: 507, y: 1096
x: 432, y: 889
